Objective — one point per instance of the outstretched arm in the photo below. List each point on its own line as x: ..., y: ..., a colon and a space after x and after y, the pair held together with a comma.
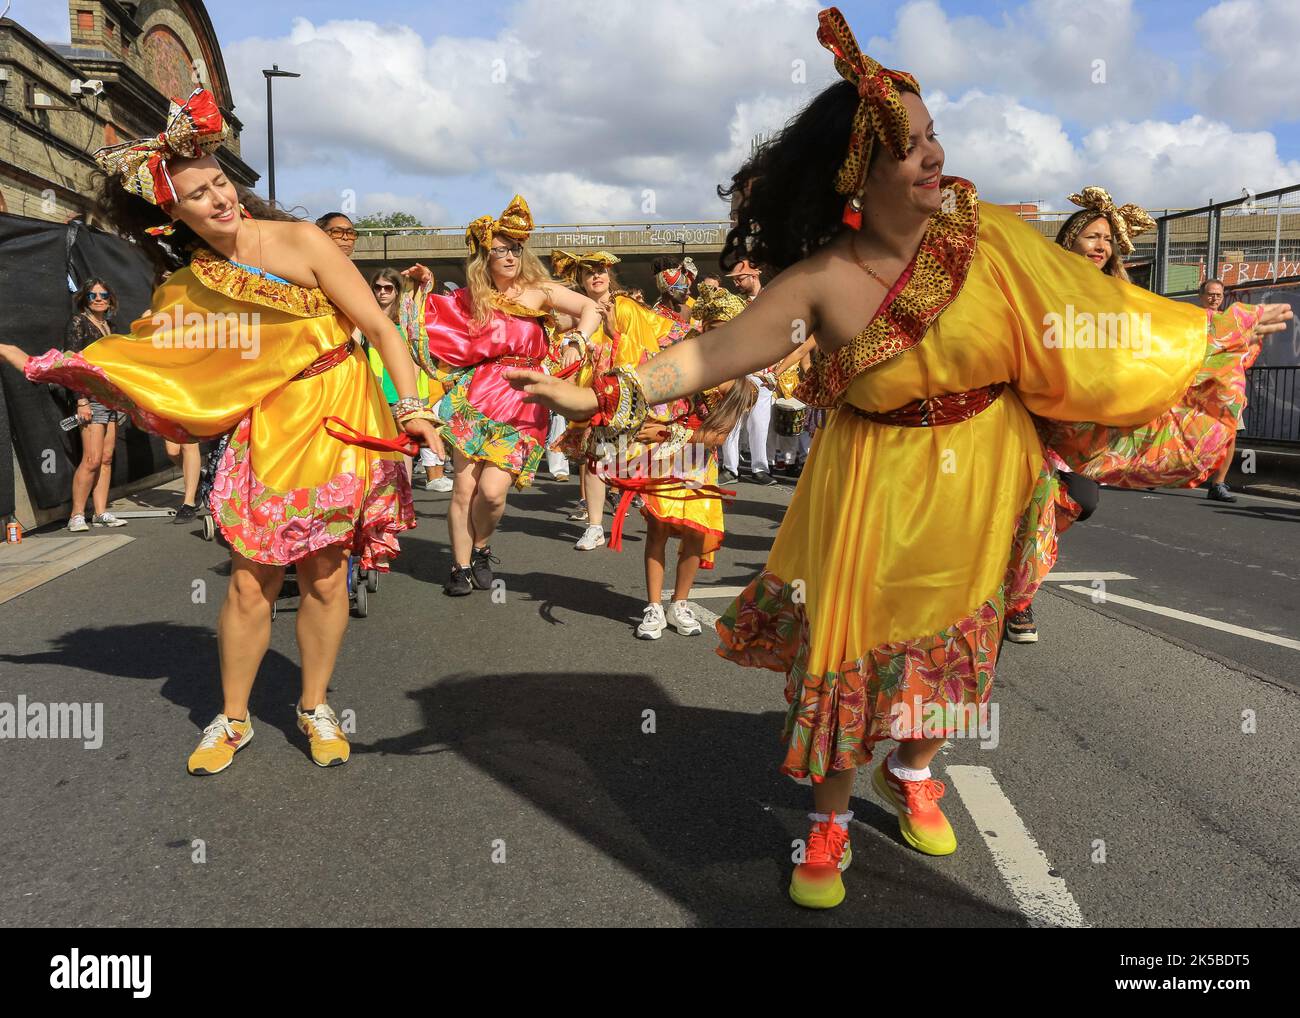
x: 767, y: 330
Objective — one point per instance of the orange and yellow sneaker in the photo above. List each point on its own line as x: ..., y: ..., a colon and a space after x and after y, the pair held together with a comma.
x: 221, y: 741
x: 816, y: 882
x: 920, y: 820
x: 329, y: 746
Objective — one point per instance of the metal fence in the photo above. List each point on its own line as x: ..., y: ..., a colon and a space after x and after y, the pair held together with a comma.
x: 1273, y: 404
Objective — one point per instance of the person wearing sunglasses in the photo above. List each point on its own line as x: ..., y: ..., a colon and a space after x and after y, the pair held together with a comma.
x: 339, y: 228
x: 95, y: 306
x: 482, y: 330
x: 386, y: 285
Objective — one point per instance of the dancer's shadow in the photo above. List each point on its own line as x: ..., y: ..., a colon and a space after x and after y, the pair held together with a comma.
x: 687, y: 798
x: 185, y: 658
x: 571, y: 593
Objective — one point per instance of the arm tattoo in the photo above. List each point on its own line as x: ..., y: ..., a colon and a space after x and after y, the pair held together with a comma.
x: 662, y: 383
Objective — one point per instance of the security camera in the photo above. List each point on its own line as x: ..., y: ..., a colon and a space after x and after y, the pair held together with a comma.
x: 92, y: 87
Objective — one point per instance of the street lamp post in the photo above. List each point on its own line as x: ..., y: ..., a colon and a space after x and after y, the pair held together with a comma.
x: 274, y: 72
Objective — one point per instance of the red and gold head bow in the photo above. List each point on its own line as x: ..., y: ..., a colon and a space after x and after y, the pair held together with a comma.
x: 1126, y: 221
x: 880, y: 114
x: 516, y: 222
x: 194, y: 129
x: 668, y: 278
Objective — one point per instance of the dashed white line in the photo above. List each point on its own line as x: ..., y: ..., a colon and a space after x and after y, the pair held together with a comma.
x: 1043, y: 899
x: 1182, y: 616
x: 1085, y: 577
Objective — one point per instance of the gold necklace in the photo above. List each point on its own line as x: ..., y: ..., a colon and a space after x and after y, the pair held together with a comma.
x: 853, y: 246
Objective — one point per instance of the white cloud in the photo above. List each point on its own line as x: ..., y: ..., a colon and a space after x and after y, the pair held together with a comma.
x: 1250, y: 49
x: 1015, y: 154
x: 1046, y: 49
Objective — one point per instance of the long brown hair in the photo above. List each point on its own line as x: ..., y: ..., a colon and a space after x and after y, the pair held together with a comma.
x: 1080, y: 221
x: 390, y: 276
x: 131, y: 216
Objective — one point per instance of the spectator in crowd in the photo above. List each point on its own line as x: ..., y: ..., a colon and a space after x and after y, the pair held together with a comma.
x: 95, y: 306
x: 186, y: 456
x: 340, y: 230
x: 1213, y: 299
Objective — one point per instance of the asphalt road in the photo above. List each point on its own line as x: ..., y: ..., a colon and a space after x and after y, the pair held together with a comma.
x: 502, y: 773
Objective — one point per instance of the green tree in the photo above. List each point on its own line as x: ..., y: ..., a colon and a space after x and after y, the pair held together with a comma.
x: 388, y: 221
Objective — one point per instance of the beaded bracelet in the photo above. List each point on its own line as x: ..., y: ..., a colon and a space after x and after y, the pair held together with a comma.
x: 576, y: 338
x: 407, y: 405
x: 423, y: 414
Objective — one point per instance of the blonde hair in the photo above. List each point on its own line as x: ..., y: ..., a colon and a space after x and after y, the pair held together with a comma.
x: 478, y: 277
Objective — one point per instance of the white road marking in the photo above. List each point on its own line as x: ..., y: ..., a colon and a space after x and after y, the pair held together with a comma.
x: 706, y: 593
x: 1198, y: 620
x: 1084, y: 577
x: 1044, y: 899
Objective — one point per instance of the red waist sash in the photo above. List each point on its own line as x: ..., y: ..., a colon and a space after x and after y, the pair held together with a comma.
x: 936, y: 411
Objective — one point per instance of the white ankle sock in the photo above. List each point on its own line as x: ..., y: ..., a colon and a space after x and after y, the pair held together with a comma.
x: 907, y: 773
x: 840, y: 818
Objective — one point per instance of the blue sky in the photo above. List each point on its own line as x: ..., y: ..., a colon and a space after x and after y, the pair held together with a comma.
x: 604, y: 111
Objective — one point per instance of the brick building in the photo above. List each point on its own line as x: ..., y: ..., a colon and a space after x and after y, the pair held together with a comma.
x: 55, y: 115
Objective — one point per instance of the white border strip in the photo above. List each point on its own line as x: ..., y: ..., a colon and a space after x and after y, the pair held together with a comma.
x: 1044, y: 899
x: 1198, y: 620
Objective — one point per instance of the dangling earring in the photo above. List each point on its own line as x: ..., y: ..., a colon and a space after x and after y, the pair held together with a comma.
x: 243, y: 212
x: 852, y: 217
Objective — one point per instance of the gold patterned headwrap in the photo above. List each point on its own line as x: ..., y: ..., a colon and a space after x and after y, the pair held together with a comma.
x: 194, y: 128
x: 565, y: 264
x: 516, y: 222
x: 714, y: 304
x: 1126, y: 221
x: 880, y: 114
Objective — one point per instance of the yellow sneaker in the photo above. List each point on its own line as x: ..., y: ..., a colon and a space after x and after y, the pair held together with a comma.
x: 920, y: 820
x: 329, y: 746
x: 221, y: 741
x: 816, y: 882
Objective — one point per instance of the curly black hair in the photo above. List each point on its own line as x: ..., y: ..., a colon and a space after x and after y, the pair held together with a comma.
x: 132, y: 216
x: 787, y: 206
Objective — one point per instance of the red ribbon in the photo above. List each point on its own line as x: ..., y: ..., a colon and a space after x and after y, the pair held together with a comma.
x: 633, y: 486
x: 345, y: 432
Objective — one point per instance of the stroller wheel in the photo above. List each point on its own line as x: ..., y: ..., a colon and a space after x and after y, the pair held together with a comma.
x: 209, y: 528
x: 361, y: 602
x: 372, y: 580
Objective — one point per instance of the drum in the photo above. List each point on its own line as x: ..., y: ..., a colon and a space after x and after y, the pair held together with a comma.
x: 789, y: 416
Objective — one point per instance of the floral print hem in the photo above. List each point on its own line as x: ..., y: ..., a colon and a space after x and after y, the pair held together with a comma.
x: 478, y: 437
x: 280, y: 527
x: 73, y: 371
x: 923, y: 687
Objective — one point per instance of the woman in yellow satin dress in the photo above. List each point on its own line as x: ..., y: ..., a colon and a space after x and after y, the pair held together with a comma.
x: 950, y: 334
x: 629, y: 335
x: 254, y: 335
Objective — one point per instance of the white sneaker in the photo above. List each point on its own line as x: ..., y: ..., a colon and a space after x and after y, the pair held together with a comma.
x: 439, y: 484
x: 681, y: 618
x: 107, y: 520
x: 77, y: 524
x: 592, y: 537
x: 652, y: 623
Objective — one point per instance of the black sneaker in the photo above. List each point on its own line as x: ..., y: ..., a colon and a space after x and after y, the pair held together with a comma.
x: 762, y: 477
x: 1219, y: 492
x: 186, y: 514
x: 458, y: 583
x: 480, y: 567
x: 725, y: 476
x: 1021, y: 628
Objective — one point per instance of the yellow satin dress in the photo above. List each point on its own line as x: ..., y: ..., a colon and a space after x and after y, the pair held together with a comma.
x: 225, y: 350
x: 888, y: 580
